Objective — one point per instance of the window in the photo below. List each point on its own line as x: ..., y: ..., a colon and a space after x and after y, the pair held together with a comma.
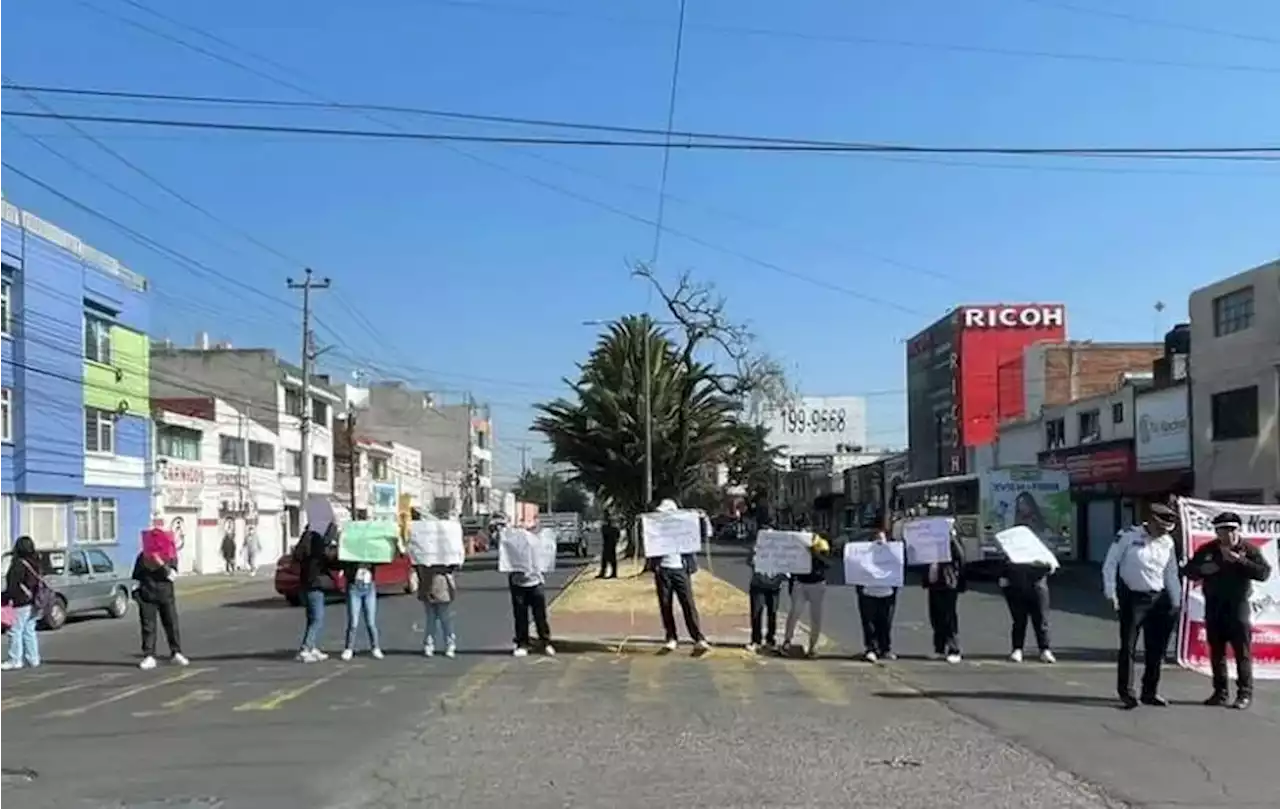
x: 45, y: 522
x: 99, y: 431
x: 1235, y: 413
x: 97, y: 339
x: 1233, y: 312
x: 262, y: 455
x: 99, y: 562
x: 378, y: 468
x: 295, y: 463
x: 77, y: 565
x: 96, y: 520
x: 231, y: 451
x: 319, y: 413
x: 180, y: 443
x: 482, y: 468
x: 6, y: 307
x: 6, y: 415
x: 1117, y: 413
x: 1055, y: 433
x: 293, y: 402
x: 482, y: 439
x: 319, y: 467
x: 6, y: 534
x: 1090, y: 426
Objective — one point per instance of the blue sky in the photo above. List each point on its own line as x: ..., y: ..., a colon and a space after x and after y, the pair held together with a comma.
x: 474, y: 273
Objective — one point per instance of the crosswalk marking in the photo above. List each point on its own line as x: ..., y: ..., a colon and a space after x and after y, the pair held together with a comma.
x: 567, y: 684
x: 820, y: 685
x: 197, y: 697
x: 644, y: 680
x: 275, y: 699
x: 20, y: 702
x: 733, y: 678
x: 126, y: 694
x: 474, y: 681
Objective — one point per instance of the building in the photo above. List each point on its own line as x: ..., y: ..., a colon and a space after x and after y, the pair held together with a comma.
x: 871, y: 491
x: 1235, y: 363
x: 817, y: 425
x: 815, y: 488
x: 1054, y: 373
x: 268, y: 392
x: 76, y: 424
x: 952, y: 395
x: 218, y: 480
x: 377, y: 478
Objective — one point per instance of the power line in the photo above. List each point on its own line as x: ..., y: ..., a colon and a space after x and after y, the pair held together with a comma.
x: 672, y: 96
x: 1154, y: 22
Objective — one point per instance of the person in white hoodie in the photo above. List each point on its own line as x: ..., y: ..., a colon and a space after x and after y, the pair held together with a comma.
x: 876, y: 606
x: 673, y: 580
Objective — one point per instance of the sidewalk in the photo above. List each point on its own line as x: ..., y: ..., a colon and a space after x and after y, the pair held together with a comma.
x: 189, y: 584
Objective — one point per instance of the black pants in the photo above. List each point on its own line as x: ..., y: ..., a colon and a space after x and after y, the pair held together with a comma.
x: 1150, y: 614
x: 877, y: 622
x: 166, y: 609
x: 526, y: 600
x: 1029, y: 605
x: 675, y: 584
x: 764, y: 604
x: 609, y: 560
x: 1227, y: 625
x: 945, y: 621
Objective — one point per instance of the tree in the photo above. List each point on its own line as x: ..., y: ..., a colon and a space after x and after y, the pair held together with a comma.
x: 752, y: 461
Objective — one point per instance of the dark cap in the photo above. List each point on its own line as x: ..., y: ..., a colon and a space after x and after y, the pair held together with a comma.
x: 1227, y: 519
x: 1163, y: 514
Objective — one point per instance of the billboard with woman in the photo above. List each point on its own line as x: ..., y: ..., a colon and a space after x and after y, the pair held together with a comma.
x: 1039, y: 499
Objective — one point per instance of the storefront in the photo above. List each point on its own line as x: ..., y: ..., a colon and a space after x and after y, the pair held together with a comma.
x: 1101, y: 477
x: 247, y: 504
x: 1163, y: 444
x: 181, y: 497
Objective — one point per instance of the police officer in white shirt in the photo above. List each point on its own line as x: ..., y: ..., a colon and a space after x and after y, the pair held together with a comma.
x: 1140, y: 578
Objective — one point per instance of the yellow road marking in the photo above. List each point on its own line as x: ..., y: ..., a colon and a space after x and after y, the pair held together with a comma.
x: 732, y: 678
x: 644, y: 679
x: 564, y: 687
x: 19, y: 702
x: 820, y: 685
x: 197, y: 697
x: 127, y: 693
x: 474, y: 681
x: 280, y: 696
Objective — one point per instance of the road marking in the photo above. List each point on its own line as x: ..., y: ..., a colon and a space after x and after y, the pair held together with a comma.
x: 198, y: 696
x: 473, y: 682
x: 275, y: 699
x: 564, y: 687
x: 127, y: 693
x: 644, y: 678
x: 19, y: 702
x: 820, y: 685
x: 732, y: 678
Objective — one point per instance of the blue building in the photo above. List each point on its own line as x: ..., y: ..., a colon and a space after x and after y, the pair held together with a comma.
x: 77, y: 449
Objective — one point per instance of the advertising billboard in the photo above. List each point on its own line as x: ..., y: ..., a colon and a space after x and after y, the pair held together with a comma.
x: 1039, y: 499
x: 1164, y: 430
x: 818, y: 425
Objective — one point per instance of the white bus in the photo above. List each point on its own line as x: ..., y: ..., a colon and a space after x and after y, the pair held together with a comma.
x: 955, y: 496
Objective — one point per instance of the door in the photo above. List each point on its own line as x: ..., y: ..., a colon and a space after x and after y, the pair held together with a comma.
x: 1100, y: 523
x: 77, y: 588
x: 104, y: 578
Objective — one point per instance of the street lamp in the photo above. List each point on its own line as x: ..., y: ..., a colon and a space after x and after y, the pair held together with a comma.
x: 648, y: 403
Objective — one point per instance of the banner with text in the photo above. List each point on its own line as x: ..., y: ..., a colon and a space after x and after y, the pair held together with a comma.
x: 873, y: 564
x: 523, y: 551
x: 782, y: 552
x: 369, y: 541
x: 436, y: 542
x: 667, y: 533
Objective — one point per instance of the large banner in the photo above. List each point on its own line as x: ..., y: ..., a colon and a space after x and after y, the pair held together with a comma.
x: 1261, y: 526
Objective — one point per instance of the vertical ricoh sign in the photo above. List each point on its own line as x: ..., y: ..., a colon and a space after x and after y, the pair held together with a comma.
x: 1027, y: 316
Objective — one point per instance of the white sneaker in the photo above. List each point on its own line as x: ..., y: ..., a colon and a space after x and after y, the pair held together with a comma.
x: 933, y: 656
x: 377, y: 654
x: 451, y: 651
x: 549, y: 650
x: 871, y: 657
x: 429, y: 649
x: 7, y: 666
x: 890, y: 656
x: 953, y: 658
x: 179, y: 659
x: 1016, y: 656
x: 147, y: 663
x: 347, y: 654
x: 752, y: 648
x: 670, y: 645
x: 703, y: 645
x: 319, y: 656
x: 519, y: 651
x: 1048, y: 656
x: 304, y: 656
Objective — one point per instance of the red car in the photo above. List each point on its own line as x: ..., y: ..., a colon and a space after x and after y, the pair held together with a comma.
x: 395, y: 577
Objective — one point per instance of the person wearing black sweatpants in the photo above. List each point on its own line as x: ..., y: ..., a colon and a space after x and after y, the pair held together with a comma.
x: 528, y: 598
x: 609, y: 536
x: 944, y: 582
x: 876, y: 609
x: 157, y: 602
x: 1026, y: 592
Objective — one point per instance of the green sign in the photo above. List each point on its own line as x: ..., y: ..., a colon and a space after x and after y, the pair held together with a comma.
x: 368, y: 541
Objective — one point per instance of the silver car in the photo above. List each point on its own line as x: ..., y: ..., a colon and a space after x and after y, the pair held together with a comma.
x: 83, y: 580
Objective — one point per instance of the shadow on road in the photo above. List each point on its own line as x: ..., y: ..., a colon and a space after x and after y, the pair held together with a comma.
x: 1002, y: 696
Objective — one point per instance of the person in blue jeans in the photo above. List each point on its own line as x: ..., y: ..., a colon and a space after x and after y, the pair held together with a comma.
x: 316, y: 562
x: 21, y: 581
x: 437, y: 589
x: 362, y: 599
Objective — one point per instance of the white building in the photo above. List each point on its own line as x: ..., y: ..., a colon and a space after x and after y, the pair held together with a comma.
x: 385, y: 476
x: 217, y: 477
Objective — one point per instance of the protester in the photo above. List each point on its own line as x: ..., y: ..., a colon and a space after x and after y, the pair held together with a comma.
x: 157, y: 601
x: 1227, y: 570
x: 23, y: 587
x: 673, y: 580
x: 876, y: 606
x: 362, y: 600
x: 609, y: 536
x: 527, y: 597
x: 1140, y: 579
x: 316, y: 561
x: 809, y: 590
x: 438, y: 590
x: 764, y: 592
x: 945, y: 581
x: 1026, y: 592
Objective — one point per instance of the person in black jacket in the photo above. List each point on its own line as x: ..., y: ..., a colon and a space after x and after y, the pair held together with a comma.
x: 157, y: 600
x: 316, y: 564
x: 21, y: 582
x: 609, y: 536
x: 1026, y: 592
x: 944, y: 582
x: 673, y: 580
x: 1227, y: 570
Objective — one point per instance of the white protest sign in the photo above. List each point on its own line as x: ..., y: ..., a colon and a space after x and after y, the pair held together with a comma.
x: 436, y: 542
x: 782, y: 552
x: 667, y: 533
x: 1022, y: 547
x: 320, y: 514
x: 545, y: 557
x: 928, y: 540
x: 516, y: 551
x: 873, y: 564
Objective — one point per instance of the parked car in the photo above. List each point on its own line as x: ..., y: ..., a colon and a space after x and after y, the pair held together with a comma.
x: 396, y: 577
x: 83, y: 580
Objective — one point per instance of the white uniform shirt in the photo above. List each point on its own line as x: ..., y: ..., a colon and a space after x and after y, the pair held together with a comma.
x: 1145, y: 564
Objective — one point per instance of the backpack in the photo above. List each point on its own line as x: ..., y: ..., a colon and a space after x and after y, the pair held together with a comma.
x: 43, y: 597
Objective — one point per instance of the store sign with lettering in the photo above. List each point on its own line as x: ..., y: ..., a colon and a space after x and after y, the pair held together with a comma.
x: 182, y: 474
x: 1164, y: 430
x: 1109, y: 465
x: 1014, y: 317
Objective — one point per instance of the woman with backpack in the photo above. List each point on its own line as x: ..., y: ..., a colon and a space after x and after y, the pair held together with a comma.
x: 26, y: 591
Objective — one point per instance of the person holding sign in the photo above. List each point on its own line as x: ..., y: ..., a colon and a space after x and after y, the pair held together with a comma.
x: 362, y: 600
x: 944, y: 582
x: 521, y: 553
x: 764, y: 592
x: 1226, y: 570
x: 809, y: 589
x: 317, y: 559
x: 1024, y: 580
x: 673, y: 579
x: 437, y: 552
x: 876, y: 606
x: 1140, y: 579
x: 154, y: 571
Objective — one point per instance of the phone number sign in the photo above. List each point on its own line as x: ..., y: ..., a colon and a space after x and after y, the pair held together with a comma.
x: 818, y: 425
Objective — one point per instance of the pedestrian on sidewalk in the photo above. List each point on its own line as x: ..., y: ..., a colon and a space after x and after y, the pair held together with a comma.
x: 809, y: 590
x: 157, y: 603
x: 362, y: 601
x: 23, y: 592
x: 944, y: 582
x: 317, y: 560
x: 438, y: 590
x: 876, y: 606
x: 765, y: 591
x: 1140, y: 579
x: 528, y: 598
x: 229, y: 546
x: 1227, y: 570
x: 252, y: 548
x: 609, y: 536
x: 673, y: 581
x: 1026, y: 592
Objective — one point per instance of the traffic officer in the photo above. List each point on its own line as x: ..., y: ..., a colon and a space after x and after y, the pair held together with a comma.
x: 1140, y: 579
x: 1227, y: 570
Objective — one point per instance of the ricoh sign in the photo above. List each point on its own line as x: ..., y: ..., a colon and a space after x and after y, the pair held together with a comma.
x: 1032, y: 316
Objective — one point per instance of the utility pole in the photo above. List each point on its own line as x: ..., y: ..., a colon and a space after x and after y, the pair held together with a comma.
x: 468, y: 475
x: 353, y: 457
x: 551, y: 476
x: 648, y: 420
x: 308, y: 352
x: 524, y: 464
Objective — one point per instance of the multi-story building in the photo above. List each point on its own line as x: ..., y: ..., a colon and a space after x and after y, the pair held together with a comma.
x: 77, y: 428
x: 376, y: 478
x: 268, y: 391
x: 1050, y: 374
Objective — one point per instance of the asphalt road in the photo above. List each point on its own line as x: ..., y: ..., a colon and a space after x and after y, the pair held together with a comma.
x: 1183, y: 756
x: 244, y: 725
